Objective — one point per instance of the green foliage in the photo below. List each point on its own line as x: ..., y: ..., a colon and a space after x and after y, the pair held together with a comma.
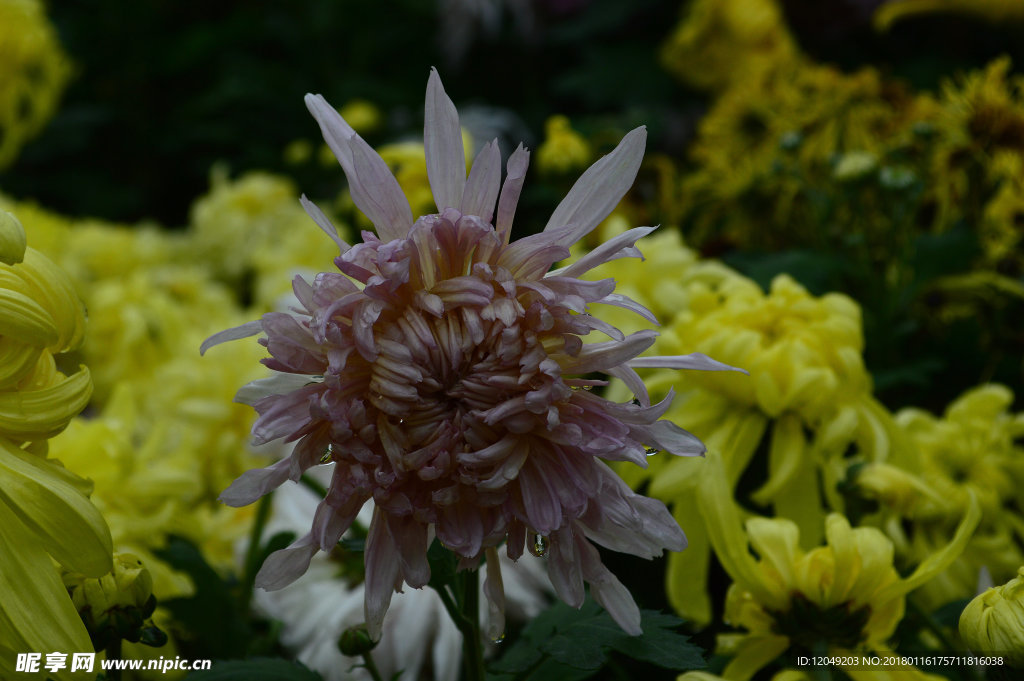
x: 216, y: 617
x: 566, y: 644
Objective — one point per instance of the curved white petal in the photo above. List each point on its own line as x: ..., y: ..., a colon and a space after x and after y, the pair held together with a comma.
x: 442, y: 145
x: 620, y: 246
x: 234, y: 333
x: 322, y: 221
x: 375, y: 191
x: 515, y: 170
x: 695, y: 360
x: 600, y: 188
x: 484, y: 181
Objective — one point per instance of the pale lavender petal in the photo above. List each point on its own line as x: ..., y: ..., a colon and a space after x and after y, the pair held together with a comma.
x: 382, y: 573
x: 234, y: 333
x: 600, y: 188
x: 410, y: 539
x: 378, y: 192
x: 518, y: 162
x: 278, y: 384
x: 619, y: 246
x: 483, y: 184
x: 633, y: 381
x: 671, y: 438
x: 694, y: 360
x: 283, y: 567
x: 251, y: 485
x: 494, y: 591
x: 609, y: 354
x: 322, y: 221
x: 375, y: 191
x: 608, y: 591
x: 442, y: 145
x: 619, y: 300
x: 564, y: 568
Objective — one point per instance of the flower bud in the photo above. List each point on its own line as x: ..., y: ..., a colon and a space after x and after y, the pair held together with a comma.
x: 993, y: 623
x: 356, y: 641
x: 116, y: 605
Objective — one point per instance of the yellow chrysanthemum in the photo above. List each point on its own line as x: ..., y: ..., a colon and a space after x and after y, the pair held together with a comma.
x: 45, y: 513
x: 979, y: 136
x: 968, y: 453
x: 720, y: 42
x: 362, y: 115
x: 253, y: 235
x: 840, y: 597
x: 993, y: 623
x: 765, y: 141
x: 33, y: 73
x: 563, y: 149
x: 808, y: 395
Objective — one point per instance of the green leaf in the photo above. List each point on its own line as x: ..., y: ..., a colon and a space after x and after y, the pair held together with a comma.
x: 213, y: 615
x: 563, y: 644
x: 256, y: 669
x: 585, y: 643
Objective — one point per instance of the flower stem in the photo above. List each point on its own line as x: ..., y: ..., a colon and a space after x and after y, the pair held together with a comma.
x: 253, y: 552
x: 464, y: 611
x: 371, y: 666
x: 472, y: 646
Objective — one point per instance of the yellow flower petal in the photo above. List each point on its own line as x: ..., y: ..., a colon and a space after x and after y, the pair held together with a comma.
x: 752, y: 653
x: 12, y: 239
x: 722, y: 520
x: 41, y: 414
x: 24, y: 319
x: 36, y: 614
x: 687, y: 572
x: 63, y: 520
x: 940, y: 560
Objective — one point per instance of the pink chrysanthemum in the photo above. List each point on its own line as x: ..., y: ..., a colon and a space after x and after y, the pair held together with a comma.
x: 442, y: 372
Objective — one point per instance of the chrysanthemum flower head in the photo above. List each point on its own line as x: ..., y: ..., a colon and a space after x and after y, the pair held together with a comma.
x: 45, y: 513
x: 843, y: 596
x: 35, y: 71
x: 442, y: 371
x: 993, y: 623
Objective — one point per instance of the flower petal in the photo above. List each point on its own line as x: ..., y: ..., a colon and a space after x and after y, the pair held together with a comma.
x: 619, y: 246
x: 234, y: 333
x: 253, y: 484
x: 694, y: 360
x: 483, y: 184
x: 47, y: 500
x: 608, y: 354
x: 382, y: 573
x: 322, y: 221
x: 374, y: 189
x: 36, y: 613
x: 283, y: 567
x: 442, y: 145
x: 600, y: 188
x: 518, y: 162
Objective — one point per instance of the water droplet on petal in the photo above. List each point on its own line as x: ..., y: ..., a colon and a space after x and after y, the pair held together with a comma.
x: 651, y: 451
x: 540, y: 545
x: 498, y: 639
x: 328, y: 454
